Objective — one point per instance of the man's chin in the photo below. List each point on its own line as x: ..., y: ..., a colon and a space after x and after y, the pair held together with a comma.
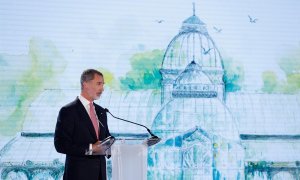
x: 97, y: 97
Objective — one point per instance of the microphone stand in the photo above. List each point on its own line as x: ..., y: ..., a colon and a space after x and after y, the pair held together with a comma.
x: 150, y: 141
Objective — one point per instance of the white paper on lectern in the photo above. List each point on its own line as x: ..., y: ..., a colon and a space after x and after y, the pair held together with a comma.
x: 129, y: 162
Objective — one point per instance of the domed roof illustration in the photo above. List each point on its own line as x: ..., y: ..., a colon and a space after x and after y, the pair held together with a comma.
x: 180, y: 77
x: 193, y: 82
x: 193, y: 23
x: 192, y: 42
x: 192, y: 75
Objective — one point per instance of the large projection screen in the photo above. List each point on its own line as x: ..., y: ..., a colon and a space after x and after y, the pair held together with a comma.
x: 217, y: 80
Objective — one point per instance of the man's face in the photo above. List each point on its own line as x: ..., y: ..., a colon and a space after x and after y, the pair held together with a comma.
x: 94, y: 88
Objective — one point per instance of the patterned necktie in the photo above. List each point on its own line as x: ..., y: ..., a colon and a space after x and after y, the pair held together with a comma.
x: 94, y: 118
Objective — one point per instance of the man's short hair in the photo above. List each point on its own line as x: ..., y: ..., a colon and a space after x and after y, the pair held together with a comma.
x: 88, y: 75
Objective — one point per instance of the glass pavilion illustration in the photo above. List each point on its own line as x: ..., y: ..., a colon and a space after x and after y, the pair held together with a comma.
x: 206, y: 133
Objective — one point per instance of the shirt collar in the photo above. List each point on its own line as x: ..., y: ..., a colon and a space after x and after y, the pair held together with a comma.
x: 83, y: 100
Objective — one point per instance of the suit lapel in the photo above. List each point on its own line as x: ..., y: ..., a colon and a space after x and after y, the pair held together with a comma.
x: 86, y: 119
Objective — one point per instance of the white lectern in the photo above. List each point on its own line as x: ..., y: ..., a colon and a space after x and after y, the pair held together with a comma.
x: 129, y: 161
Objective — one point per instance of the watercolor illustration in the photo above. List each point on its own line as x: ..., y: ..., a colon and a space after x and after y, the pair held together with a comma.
x: 218, y: 81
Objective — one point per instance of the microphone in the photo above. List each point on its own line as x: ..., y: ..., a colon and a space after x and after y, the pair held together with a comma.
x: 150, y: 141
x: 108, y: 138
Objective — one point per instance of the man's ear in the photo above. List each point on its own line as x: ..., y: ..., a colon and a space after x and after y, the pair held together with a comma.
x: 84, y: 85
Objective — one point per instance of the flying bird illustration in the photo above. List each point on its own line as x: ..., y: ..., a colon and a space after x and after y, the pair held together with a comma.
x: 159, y: 21
x: 205, y: 52
x: 218, y: 30
x: 252, y: 20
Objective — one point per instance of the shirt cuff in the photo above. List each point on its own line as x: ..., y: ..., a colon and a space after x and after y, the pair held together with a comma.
x: 90, y: 150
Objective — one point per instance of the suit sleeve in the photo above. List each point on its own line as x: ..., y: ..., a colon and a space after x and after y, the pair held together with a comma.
x: 63, y: 134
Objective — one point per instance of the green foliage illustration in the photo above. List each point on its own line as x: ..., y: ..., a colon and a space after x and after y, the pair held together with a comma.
x: 270, y: 81
x: 290, y: 65
x: 109, y: 79
x: 43, y: 63
x: 145, y: 71
x: 233, y: 76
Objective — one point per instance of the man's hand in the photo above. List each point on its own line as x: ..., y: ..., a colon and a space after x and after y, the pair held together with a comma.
x: 98, y: 149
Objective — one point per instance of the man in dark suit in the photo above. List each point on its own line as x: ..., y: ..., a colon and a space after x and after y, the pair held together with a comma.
x: 80, y: 127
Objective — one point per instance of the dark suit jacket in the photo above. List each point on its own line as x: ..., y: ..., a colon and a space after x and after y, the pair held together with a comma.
x: 73, y: 133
